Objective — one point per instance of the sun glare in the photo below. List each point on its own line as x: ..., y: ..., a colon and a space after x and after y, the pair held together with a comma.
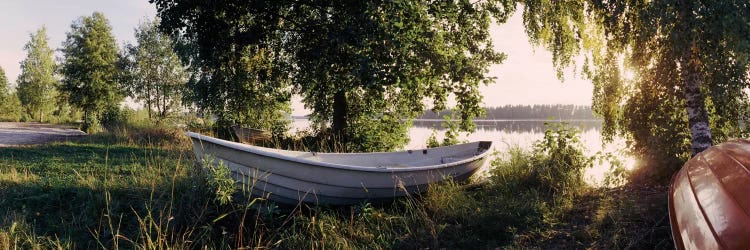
x: 628, y: 74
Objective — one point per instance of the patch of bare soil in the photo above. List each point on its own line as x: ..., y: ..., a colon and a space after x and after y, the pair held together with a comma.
x: 31, y: 133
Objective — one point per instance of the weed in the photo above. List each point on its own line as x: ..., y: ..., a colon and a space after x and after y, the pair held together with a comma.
x: 219, y: 178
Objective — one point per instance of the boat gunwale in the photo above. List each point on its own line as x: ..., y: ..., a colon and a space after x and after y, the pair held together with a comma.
x: 259, y: 151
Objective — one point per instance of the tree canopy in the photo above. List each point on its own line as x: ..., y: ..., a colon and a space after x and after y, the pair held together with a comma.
x: 37, y: 85
x: 232, y: 75
x: 156, y: 76
x: 361, y: 67
x: 10, y: 106
x: 90, y: 67
x: 5, y: 95
x: 4, y: 88
x: 690, y: 64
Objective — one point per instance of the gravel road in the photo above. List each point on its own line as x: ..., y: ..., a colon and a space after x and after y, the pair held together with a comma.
x: 29, y: 133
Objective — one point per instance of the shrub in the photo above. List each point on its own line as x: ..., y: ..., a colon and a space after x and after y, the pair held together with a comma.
x: 114, y: 117
x: 11, y: 109
x: 219, y: 179
x: 559, y: 161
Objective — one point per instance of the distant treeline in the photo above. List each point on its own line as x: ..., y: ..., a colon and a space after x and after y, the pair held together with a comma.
x: 529, y: 112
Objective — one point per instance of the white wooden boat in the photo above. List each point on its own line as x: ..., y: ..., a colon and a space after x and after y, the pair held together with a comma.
x: 339, y: 178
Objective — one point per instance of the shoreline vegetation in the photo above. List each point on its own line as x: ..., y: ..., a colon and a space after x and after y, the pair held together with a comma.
x: 136, y: 187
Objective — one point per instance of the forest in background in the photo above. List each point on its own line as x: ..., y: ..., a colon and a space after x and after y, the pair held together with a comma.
x: 527, y: 112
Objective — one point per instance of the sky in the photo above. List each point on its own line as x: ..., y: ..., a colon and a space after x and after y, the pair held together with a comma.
x: 526, y: 77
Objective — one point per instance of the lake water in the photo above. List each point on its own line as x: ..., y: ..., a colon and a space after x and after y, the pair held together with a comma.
x: 523, y: 133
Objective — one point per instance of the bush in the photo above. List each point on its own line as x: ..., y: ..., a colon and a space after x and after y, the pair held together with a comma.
x: 219, y: 179
x: 559, y: 161
x: 114, y: 117
x: 11, y: 109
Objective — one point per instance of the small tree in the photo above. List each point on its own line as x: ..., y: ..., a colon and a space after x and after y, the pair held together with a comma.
x: 90, y: 68
x: 4, y: 88
x: 37, y: 83
x: 9, y: 104
x: 155, y: 75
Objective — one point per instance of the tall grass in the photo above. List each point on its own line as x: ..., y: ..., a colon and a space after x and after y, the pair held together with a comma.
x: 120, y: 190
x: 69, y: 190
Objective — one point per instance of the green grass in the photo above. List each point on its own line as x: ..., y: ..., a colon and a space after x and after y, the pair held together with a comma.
x: 63, y: 192
x: 137, y: 188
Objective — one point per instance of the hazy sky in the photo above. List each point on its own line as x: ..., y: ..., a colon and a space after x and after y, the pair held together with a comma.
x: 526, y: 77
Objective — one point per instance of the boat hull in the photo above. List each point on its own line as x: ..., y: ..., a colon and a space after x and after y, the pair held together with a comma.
x: 709, y: 202
x: 288, y: 179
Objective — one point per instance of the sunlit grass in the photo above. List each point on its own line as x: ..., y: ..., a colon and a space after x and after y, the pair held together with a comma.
x: 60, y: 190
x: 123, y: 191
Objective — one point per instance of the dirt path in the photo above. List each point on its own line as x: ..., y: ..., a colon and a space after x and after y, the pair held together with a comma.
x: 29, y: 133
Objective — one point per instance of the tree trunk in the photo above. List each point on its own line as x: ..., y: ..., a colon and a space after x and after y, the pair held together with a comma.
x: 339, y: 116
x: 162, y: 100
x: 41, y: 115
x: 148, y: 100
x: 700, y: 132
x: 148, y: 108
x: 86, y: 121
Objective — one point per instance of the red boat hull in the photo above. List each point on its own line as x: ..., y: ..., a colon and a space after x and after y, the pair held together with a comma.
x: 709, y: 200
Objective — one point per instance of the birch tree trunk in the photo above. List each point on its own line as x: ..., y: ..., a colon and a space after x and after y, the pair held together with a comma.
x: 700, y: 132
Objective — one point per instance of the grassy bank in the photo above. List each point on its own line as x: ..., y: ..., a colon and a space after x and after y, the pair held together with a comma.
x: 137, y: 189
